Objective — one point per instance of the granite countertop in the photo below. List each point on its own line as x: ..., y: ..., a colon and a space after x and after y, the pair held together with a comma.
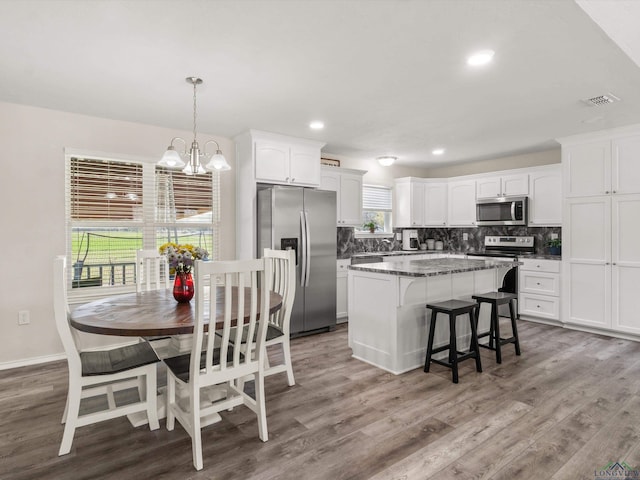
x: 432, y: 267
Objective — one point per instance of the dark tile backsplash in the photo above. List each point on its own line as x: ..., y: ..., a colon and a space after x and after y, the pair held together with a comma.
x: 348, y: 244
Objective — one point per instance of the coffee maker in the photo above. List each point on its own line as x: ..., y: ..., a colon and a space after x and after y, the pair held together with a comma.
x: 410, y: 240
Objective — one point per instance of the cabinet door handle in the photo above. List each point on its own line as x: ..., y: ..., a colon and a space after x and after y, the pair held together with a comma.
x: 293, y: 179
x: 613, y: 191
x: 607, y: 263
x: 606, y: 192
x: 286, y: 179
x: 537, y: 283
x: 614, y: 263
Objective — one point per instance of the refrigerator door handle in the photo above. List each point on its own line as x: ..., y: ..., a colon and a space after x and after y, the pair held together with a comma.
x: 307, y: 253
x: 303, y: 249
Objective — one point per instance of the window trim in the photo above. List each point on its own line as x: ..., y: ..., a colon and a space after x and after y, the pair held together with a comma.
x: 89, y: 293
x: 365, y: 234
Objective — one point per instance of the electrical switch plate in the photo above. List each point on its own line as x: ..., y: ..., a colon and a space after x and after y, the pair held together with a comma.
x: 398, y: 236
x: 465, y: 236
x: 553, y: 236
x: 23, y: 317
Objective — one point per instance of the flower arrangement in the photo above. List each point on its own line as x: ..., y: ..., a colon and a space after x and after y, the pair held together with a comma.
x: 181, y: 257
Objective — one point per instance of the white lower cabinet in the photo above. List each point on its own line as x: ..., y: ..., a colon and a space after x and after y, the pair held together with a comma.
x: 341, y: 290
x: 539, y: 288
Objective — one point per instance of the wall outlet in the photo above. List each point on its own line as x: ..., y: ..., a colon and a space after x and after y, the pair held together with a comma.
x: 553, y: 236
x: 465, y: 236
x: 399, y: 236
x: 23, y: 317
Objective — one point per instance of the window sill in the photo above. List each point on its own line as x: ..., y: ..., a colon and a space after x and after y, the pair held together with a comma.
x: 374, y: 235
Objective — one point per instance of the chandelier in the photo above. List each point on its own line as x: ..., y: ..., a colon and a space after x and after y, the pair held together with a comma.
x: 194, y: 157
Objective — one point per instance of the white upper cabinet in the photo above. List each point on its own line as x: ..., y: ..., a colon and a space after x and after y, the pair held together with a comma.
x: 587, y: 169
x: 287, y: 162
x: 545, y: 200
x: 462, y: 205
x: 488, y: 187
x: 347, y: 184
x: 408, y: 203
x: 625, y: 171
x: 420, y: 203
x: 435, y: 204
x: 304, y: 167
x: 604, y: 167
x: 272, y: 161
x: 502, y: 186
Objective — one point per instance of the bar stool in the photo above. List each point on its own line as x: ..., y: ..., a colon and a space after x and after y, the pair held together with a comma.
x: 453, y: 308
x: 495, y: 341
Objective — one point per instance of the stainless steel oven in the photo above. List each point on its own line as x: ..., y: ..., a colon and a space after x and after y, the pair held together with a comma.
x: 508, y: 248
x: 502, y: 211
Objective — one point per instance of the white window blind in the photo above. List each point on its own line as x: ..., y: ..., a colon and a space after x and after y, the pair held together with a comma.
x: 375, y: 197
x: 115, y: 207
x: 376, y: 207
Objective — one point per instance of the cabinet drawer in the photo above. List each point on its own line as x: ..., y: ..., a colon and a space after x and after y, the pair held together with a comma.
x: 540, y: 282
x: 539, y: 306
x: 540, y: 265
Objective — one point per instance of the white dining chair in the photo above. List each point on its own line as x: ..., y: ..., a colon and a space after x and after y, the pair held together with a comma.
x: 283, y: 282
x: 152, y: 271
x: 94, y: 373
x: 213, y: 359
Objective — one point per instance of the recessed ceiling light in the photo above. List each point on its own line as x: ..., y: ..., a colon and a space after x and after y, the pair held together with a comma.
x: 386, y: 160
x: 480, y: 58
x: 437, y: 151
x: 317, y: 125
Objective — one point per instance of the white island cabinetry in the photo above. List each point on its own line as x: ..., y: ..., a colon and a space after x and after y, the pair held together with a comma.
x: 388, y: 321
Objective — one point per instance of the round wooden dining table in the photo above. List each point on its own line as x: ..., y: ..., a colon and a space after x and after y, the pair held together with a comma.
x: 154, y: 313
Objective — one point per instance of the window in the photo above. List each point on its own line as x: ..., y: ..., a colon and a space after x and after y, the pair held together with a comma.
x: 115, y: 207
x: 376, y: 207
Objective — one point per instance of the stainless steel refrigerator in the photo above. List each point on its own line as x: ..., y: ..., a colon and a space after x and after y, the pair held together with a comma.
x: 303, y: 219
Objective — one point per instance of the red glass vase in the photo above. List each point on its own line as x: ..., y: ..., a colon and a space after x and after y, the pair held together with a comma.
x: 183, y: 288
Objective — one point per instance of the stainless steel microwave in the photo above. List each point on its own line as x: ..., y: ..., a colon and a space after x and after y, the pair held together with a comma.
x: 502, y: 211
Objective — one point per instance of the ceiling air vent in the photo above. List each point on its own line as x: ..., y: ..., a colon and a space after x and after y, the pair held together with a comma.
x: 601, y: 100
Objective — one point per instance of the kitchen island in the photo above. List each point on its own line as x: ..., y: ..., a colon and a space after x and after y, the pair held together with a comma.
x: 388, y: 318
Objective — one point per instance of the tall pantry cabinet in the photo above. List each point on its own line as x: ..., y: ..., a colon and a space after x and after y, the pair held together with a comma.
x: 601, y: 256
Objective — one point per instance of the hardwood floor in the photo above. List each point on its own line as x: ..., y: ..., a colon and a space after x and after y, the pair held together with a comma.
x: 565, y: 408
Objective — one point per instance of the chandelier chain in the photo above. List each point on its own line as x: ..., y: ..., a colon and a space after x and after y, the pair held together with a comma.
x: 194, y: 111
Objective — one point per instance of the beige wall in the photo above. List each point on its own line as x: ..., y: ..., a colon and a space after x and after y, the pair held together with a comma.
x: 496, y: 164
x: 33, y: 218
x: 376, y: 173
x: 379, y: 175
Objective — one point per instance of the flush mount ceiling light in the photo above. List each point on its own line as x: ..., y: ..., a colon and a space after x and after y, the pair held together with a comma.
x: 480, y: 58
x: 437, y: 151
x: 174, y: 159
x: 386, y: 160
x: 317, y: 125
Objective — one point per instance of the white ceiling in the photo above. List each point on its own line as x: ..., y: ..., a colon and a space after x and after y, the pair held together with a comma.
x: 386, y: 76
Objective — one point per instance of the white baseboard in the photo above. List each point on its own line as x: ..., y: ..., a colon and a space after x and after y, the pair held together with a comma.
x: 25, y: 362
